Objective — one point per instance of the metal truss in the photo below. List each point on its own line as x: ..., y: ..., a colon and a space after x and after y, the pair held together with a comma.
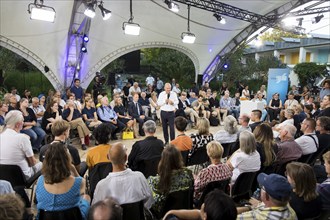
x: 310, y: 11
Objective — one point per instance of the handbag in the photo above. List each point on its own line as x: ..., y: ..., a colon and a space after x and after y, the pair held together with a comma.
x: 128, y: 134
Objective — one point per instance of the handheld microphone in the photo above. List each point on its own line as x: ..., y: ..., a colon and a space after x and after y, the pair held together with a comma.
x: 168, y: 95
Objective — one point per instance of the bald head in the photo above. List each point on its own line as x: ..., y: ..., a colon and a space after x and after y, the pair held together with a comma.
x: 117, y: 154
x: 106, y: 209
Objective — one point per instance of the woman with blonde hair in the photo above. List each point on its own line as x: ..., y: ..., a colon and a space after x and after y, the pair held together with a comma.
x: 229, y: 134
x: 155, y: 108
x: 263, y: 134
x: 304, y: 200
x: 246, y: 158
x: 203, y: 137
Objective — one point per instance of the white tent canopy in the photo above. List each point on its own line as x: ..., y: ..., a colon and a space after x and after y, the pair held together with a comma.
x: 45, y: 44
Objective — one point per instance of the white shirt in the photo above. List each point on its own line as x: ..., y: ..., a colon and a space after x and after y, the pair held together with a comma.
x: 176, y: 90
x: 307, y: 143
x: 37, y: 110
x: 14, y: 149
x: 224, y: 137
x: 166, y: 107
x: 132, y: 89
x: 290, y: 103
x: 125, y: 187
x: 150, y: 80
x: 244, y: 163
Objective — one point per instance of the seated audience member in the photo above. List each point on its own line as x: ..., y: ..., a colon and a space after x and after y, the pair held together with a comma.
x: 73, y: 116
x: 217, y: 171
x: 123, y: 184
x: 324, y: 188
x: 52, y: 114
x: 244, y: 120
x: 155, y: 108
x: 304, y: 200
x: 136, y: 111
x: 200, y: 108
x: 107, y: 209
x: 172, y: 176
x: 299, y: 116
x: 185, y: 107
x: 255, y: 118
x: 308, y: 110
x: 107, y: 114
x: 13, y: 103
x: 246, y: 93
x: 217, y: 206
x: 11, y: 207
x: 229, y: 134
x: 38, y: 109
x: 134, y: 89
x: 182, y: 142
x: 316, y: 109
x: 288, y: 149
x: 30, y: 127
x: 124, y: 117
x: 225, y: 105
x: 203, y: 135
x: 325, y: 106
x: 275, y: 197
x: 246, y: 158
x: 27, y: 95
x: 274, y: 107
x: 99, y: 100
x: 144, y: 102
x: 265, y: 145
x: 149, y: 148
x: 236, y: 105
x: 288, y: 114
x: 323, y: 127
x: 192, y: 97
x: 288, y: 104
x: 89, y: 114
x: 61, y: 102
x: 98, y: 154
x: 76, y: 103
x: 325, y: 89
x: 115, y: 96
x: 5, y: 187
x: 15, y: 148
x: 3, y: 111
x: 61, y: 131
x: 259, y: 99
x: 60, y: 187
x: 308, y: 142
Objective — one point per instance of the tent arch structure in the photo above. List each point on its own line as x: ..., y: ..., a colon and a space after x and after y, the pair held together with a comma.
x: 130, y: 48
x: 32, y: 58
x: 44, y: 43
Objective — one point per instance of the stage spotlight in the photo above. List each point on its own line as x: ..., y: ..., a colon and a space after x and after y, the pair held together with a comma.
x: 83, y: 48
x: 188, y: 37
x: 172, y: 6
x: 85, y: 38
x: 130, y: 27
x: 317, y: 19
x: 225, y: 66
x: 90, y: 11
x: 41, y: 12
x: 219, y: 18
x: 106, y: 14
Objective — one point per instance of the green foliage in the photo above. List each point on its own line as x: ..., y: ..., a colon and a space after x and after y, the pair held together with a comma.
x: 308, y: 72
x: 276, y: 35
x: 168, y: 64
x: 36, y: 82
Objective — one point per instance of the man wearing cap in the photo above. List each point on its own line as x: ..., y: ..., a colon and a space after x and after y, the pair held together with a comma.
x: 275, y: 195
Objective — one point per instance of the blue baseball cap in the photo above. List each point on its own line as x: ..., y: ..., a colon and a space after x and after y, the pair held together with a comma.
x: 275, y: 185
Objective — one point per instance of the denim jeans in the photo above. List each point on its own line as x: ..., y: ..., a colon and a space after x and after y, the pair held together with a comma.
x: 36, y: 135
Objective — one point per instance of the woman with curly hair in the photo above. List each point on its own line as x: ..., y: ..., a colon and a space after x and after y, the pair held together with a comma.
x: 172, y: 176
x: 60, y: 187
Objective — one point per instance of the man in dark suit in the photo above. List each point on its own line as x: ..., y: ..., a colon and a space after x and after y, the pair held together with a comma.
x: 135, y: 110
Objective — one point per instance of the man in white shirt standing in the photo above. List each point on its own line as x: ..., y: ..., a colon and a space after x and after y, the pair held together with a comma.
x: 150, y: 80
x: 168, y: 102
x: 15, y: 148
x: 123, y: 184
x: 309, y: 141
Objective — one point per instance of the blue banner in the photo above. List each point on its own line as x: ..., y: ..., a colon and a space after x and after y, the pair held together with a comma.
x: 278, y: 80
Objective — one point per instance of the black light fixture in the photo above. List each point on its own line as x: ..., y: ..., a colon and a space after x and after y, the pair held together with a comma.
x: 172, y: 6
x: 317, y: 19
x: 39, y: 11
x: 130, y: 27
x: 106, y: 14
x: 90, y: 10
x: 219, y: 18
x: 299, y: 21
x: 188, y: 37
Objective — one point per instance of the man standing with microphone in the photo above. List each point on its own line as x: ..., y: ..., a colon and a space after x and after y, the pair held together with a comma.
x: 168, y: 102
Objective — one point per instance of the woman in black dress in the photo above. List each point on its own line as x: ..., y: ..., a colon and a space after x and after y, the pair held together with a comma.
x: 274, y: 107
x: 123, y: 115
x: 52, y: 113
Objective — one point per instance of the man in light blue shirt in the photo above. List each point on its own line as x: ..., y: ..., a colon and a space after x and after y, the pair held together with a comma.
x: 108, y: 115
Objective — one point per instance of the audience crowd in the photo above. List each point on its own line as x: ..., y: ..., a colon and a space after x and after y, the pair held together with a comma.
x: 286, y: 146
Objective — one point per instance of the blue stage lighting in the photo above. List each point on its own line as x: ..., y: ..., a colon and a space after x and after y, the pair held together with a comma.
x: 225, y: 66
x: 85, y: 38
x: 83, y: 48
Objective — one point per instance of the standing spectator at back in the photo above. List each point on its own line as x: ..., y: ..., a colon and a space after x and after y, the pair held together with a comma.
x: 14, y: 92
x: 182, y: 142
x: 150, y: 80
x: 325, y: 106
x: 77, y: 90
x: 309, y: 143
x: 159, y: 85
x: 326, y: 89
x: 323, y: 127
